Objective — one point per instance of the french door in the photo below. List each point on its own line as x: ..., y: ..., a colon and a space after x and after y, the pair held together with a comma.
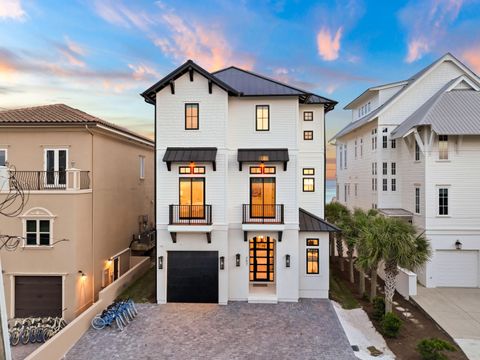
x: 55, y: 167
x: 262, y: 259
x: 262, y: 197
x: 192, y: 198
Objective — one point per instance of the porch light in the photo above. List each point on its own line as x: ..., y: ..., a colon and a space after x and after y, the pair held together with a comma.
x: 287, y: 261
x: 222, y: 262
x: 458, y: 245
x: 160, y: 262
x: 83, y: 276
x: 237, y: 260
x: 192, y: 165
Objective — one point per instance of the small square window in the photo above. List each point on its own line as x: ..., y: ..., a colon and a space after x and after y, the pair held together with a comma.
x: 269, y: 170
x: 312, y: 242
x: 308, y: 135
x: 308, y: 184
x: 199, y: 170
x: 262, y: 117
x: 308, y: 115
x: 191, y: 117
x: 308, y: 171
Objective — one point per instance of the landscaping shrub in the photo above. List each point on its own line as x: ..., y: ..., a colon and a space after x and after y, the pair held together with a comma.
x: 391, y: 325
x: 431, y: 349
x: 378, y: 308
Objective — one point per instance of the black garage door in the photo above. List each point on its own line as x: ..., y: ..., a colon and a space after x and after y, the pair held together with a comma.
x: 192, y: 276
x: 38, y: 296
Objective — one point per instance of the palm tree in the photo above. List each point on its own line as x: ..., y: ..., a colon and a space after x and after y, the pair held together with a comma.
x: 350, y: 234
x: 400, y: 247
x: 334, y: 212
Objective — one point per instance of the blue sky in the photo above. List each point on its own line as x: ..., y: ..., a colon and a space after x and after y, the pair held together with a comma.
x: 99, y: 55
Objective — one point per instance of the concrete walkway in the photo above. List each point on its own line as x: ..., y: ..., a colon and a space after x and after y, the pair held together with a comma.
x: 457, y: 311
x: 304, y: 330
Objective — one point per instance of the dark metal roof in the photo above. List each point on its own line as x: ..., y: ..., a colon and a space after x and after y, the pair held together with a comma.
x: 190, y: 154
x: 395, y: 212
x: 262, y: 155
x: 310, y: 222
x: 150, y: 94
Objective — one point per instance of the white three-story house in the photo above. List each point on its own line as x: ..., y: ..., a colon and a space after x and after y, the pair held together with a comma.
x: 240, y: 171
x: 412, y: 150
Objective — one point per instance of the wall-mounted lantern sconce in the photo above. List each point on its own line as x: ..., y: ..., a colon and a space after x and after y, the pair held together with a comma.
x: 237, y: 260
x: 287, y: 260
x: 160, y: 262
x: 458, y: 245
x: 83, y: 276
x: 222, y: 262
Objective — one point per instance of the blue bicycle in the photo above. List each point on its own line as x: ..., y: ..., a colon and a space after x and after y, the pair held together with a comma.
x: 121, y: 312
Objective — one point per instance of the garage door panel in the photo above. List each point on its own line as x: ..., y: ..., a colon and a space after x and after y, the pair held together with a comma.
x: 456, y: 268
x: 192, y: 276
x: 38, y: 296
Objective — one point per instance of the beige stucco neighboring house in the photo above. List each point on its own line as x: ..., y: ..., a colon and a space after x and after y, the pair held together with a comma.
x: 90, y: 188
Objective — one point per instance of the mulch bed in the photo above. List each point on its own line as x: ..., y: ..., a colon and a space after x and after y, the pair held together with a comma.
x: 404, y: 347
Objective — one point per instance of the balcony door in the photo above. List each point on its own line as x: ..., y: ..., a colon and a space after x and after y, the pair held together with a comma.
x: 262, y: 197
x: 55, y: 167
x: 192, y: 198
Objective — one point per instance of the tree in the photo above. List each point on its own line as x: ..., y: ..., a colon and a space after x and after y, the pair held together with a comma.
x: 350, y: 233
x: 334, y: 212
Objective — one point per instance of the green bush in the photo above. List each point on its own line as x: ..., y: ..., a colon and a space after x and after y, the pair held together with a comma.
x: 391, y: 325
x: 430, y: 349
x: 378, y: 308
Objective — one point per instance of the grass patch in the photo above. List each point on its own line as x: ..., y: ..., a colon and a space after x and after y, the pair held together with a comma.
x: 142, y: 290
x: 342, y: 294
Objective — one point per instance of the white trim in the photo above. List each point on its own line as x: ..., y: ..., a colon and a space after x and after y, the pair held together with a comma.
x: 119, y: 253
x: 56, y: 165
x: 55, y: 192
x: 42, y: 214
x: 467, y: 80
x: 190, y: 228
x: 132, y: 137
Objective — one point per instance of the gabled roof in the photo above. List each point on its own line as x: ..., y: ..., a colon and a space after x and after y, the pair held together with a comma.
x: 59, y: 115
x: 310, y: 222
x: 374, y: 89
x: 239, y: 82
x: 410, y: 82
x: 448, y: 112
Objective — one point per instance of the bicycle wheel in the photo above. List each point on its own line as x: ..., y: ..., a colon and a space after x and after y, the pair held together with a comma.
x: 120, y: 325
x: 98, y: 323
x: 32, y: 336
x: 14, y: 337
x: 40, y: 335
x: 132, y: 305
x: 25, y: 336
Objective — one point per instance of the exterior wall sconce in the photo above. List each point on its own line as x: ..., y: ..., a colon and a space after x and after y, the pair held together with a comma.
x: 237, y: 260
x: 222, y: 262
x: 458, y: 245
x: 83, y: 276
x: 160, y: 262
x: 287, y: 261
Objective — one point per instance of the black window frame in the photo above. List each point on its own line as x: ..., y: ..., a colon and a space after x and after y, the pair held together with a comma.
x: 38, y: 233
x: 393, y: 143
x: 305, y: 171
x: 192, y: 179
x: 198, y: 116
x: 385, y: 168
x: 443, y: 201
x: 393, y: 184
x: 393, y: 168
x: 417, y: 151
x: 305, y: 113
x: 384, y: 184
x: 268, y: 117
x: 313, y: 184
x: 417, y: 200
x: 308, y: 261
x: 190, y: 170
x: 305, y: 132
x: 385, y: 142
x: 316, y: 242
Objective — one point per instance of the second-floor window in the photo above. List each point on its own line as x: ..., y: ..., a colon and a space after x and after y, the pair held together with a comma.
x: 308, y: 115
x: 308, y: 171
x: 308, y: 135
x: 385, y: 185
x: 308, y: 184
x: 417, y: 200
x: 393, y: 143
x: 3, y: 157
x: 417, y: 151
x: 394, y: 168
x: 37, y: 232
x: 262, y: 121
x: 345, y: 156
x: 142, y: 166
x: 191, y: 197
x: 443, y: 201
x: 443, y: 147
x: 385, y: 168
x: 361, y: 147
x: 394, y: 184
x: 191, y: 116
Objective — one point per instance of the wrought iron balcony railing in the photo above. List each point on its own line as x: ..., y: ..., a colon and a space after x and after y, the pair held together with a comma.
x: 190, y: 214
x: 262, y: 214
x: 51, y: 180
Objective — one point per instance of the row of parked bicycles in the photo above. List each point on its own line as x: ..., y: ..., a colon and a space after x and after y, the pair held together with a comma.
x: 120, y: 312
x: 34, y: 330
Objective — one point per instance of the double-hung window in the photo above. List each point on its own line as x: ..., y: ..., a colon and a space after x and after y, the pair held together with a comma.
x: 394, y: 184
x: 262, y: 121
x: 385, y: 168
x: 417, y: 151
x: 417, y: 200
x: 385, y: 184
x: 191, y: 116
x: 394, y: 168
x: 443, y: 147
x: 443, y: 201
x: 37, y: 232
x: 312, y: 258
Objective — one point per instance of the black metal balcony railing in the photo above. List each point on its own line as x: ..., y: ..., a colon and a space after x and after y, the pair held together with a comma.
x: 48, y: 180
x: 262, y: 214
x: 190, y: 214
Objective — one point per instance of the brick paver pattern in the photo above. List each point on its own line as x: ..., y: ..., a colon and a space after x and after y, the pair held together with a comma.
x: 308, y: 329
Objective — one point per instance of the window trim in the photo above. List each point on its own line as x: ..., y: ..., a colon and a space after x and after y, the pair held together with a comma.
x: 305, y: 132
x: 314, y: 249
x: 313, y: 184
x: 308, y: 169
x: 268, y: 117
x: 198, y: 116
x: 417, y: 197
x: 307, y: 112
x: 37, y: 219
x: 190, y: 170
x: 447, y: 188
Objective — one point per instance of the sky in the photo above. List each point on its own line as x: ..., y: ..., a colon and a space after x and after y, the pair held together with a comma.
x: 98, y: 55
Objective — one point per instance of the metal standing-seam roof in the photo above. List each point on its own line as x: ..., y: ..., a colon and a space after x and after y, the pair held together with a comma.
x: 310, y: 222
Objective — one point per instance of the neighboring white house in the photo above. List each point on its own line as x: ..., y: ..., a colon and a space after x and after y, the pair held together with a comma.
x: 412, y: 150
x: 240, y: 166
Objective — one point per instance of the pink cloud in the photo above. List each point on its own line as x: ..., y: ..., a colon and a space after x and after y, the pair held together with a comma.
x: 329, y: 44
x: 11, y: 9
x: 119, y: 14
x: 416, y: 49
x: 472, y: 57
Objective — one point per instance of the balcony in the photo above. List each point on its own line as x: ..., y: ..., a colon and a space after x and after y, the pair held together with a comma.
x: 71, y: 179
x: 262, y: 214
x: 190, y: 214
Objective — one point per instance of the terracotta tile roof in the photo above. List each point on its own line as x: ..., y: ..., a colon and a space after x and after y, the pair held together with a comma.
x: 57, y: 115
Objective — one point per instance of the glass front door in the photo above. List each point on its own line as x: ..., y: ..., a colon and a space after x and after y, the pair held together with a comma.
x: 262, y: 259
x: 192, y: 198
x: 55, y: 167
x: 262, y: 197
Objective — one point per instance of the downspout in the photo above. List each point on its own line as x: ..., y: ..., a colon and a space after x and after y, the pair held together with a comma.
x: 324, y: 161
x: 93, y: 219
x: 155, y: 197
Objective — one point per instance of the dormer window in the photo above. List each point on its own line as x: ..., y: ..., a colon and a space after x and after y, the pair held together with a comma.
x: 262, y: 118
x: 443, y: 147
x: 191, y: 117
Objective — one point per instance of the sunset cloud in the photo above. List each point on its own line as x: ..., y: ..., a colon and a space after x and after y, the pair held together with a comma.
x: 472, y: 57
x: 72, y: 52
x: 328, y: 44
x: 11, y: 9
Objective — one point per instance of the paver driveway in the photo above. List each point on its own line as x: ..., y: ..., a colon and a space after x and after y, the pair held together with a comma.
x: 308, y: 329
